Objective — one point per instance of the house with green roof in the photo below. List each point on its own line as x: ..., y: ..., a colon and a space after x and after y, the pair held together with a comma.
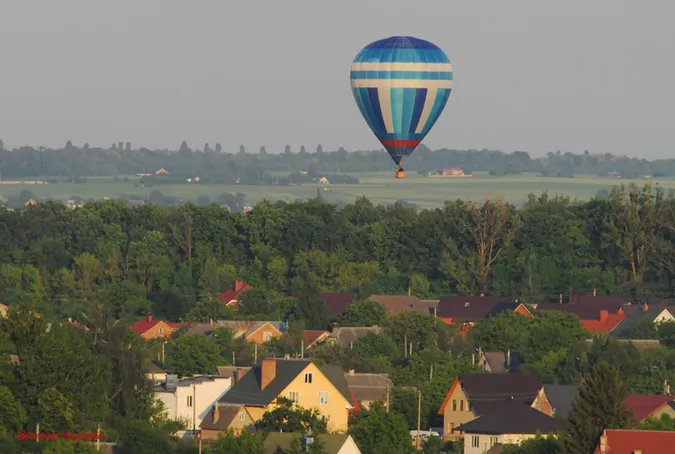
x: 323, y: 388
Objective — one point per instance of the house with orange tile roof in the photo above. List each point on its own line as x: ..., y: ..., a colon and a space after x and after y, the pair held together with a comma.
x: 154, y: 329
x: 650, y: 406
x: 231, y: 297
x: 251, y: 330
x: 618, y: 441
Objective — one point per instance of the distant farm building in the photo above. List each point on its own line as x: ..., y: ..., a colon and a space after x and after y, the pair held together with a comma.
x: 451, y: 172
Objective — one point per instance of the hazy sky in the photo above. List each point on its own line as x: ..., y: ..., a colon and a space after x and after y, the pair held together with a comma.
x: 529, y: 74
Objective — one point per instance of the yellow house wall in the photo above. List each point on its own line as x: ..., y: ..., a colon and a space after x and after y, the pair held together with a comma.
x: 456, y: 417
x: 256, y: 412
x: 485, y: 442
x: 335, y: 410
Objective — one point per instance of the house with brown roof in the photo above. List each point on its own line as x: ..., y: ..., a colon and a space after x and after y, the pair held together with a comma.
x: 498, y: 362
x: 226, y: 417
x: 313, y: 337
x: 512, y: 422
x: 654, y: 314
x: 281, y: 442
x: 465, y: 311
x: 154, y: 329
x: 234, y: 372
x: 594, y: 298
x: 618, y: 441
x: 231, y: 297
x: 649, y: 406
x: 337, y: 302
x: 474, y: 395
x: 368, y: 388
x: 397, y: 304
x: 251, y: 330
x: 346, y: 336
x: 597, y: 318
x: 153, y: 372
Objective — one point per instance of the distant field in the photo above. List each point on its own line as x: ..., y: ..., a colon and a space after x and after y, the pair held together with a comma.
x: 380, y: 187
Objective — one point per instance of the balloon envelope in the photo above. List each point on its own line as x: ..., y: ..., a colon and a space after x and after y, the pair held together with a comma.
x: 401, y: 85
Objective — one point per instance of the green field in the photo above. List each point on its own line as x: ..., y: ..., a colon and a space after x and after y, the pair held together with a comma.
x: 379, y: 187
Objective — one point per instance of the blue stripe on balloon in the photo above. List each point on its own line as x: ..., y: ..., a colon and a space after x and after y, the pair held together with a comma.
x: 420, y: 75
x: 376, y: 111
x: 374, y: 55
x: 408, y: 108
x: 363, y: 107
x: 397, y: 105
x: 439, y: 103
x: 420, y: 97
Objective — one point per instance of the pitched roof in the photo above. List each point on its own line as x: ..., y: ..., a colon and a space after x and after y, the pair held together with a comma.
x: 345, y: 336
x: 277, y: 441
x: 142, y: 326
x: 626, y: 325
x: 310, y: 336
x: 561, y: 397
x: 151, y: 368
x: 600, y: 318
x: 234, y: 294
x: 473, y: 308
x: 497, y: 362
x: 226, y: 413
x: 643, y: 404
x: 589, y: 298
x: 513, y: 417
x: 228, y: 371
x: 368, y: 387
x: 396, y: 304
x: 240, y: 327
x: 247, y: 389
x: 640, y: 344
x: 485, y: 392
x: 618, y: 441
x: 337, y: 302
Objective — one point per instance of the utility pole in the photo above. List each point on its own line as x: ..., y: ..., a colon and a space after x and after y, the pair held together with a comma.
x: 405, y: 345
x: 98, y: 438
x: 302, y: 348
x: 194, y: 407
x: 431, y: 371
x: 419, y: 417
x: 163, y: 357
x: 387, y: 399
x: 255, y: 354
x: 233, y: 358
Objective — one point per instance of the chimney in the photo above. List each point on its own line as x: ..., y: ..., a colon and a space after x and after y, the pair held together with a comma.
x: 603, y: 315
x: 603, y: 442
x: 149, y: 317
x: 351, y: 372
x: 216, y: 413
x: 238, y: 285
x: 508, y: 358
x: 268, y: 371
x: 595, y: 293
x: 70, y: 320
x: 211, y: 322
x: 645, y: 308
x: 287, y: 356
x: 482, y: 294
x: 235, y: 376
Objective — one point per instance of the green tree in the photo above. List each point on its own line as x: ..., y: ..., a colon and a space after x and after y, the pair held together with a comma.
x: 665, y: 422
x: 193, y: 354
x: 287, y: 416
x: 598, y: 407
x: 54, y: 412
x: 377, y: 431
x: 12, y: 414
x: 363, y: 313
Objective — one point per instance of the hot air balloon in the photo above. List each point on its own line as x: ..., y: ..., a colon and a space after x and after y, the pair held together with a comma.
x: 401, y: 85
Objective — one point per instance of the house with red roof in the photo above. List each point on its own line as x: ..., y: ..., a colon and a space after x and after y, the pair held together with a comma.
x: 597, y: 318
x: 466, y: 311
x: 618, y: 441
x: 647, y: 406
x: 153, y: 329
x: 337, y: 302
x: 231, y: 297
x: 313, y: 337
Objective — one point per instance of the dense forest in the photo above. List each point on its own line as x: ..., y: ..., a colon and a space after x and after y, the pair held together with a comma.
x: 212, y: 165
x: 105, y: 265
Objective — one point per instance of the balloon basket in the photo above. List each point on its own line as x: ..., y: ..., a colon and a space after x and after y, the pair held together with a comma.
x: 400, y: 173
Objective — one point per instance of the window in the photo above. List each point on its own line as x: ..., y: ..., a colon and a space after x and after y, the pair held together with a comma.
x: 308, y: 377
x: 454, y: 405
x: 475, y: 441
x: 267, y: 336
x: 461, y: 405
x: 161, y: 330
x: 323, y: 397
x: 242, y: 416
x: 452, y: 428
x: 493, y: 441
x: 294, y: 396
x: 189, y: 401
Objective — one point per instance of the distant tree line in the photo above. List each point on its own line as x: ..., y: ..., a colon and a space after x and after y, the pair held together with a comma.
x: 212, y: 165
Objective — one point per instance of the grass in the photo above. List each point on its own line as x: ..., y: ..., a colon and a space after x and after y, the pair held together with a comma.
x: 379, y: 187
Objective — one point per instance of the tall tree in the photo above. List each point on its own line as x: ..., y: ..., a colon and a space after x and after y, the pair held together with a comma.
x: 598, y: 407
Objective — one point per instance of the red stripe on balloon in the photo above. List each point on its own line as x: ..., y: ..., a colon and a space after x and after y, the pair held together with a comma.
x: 401, y: 143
